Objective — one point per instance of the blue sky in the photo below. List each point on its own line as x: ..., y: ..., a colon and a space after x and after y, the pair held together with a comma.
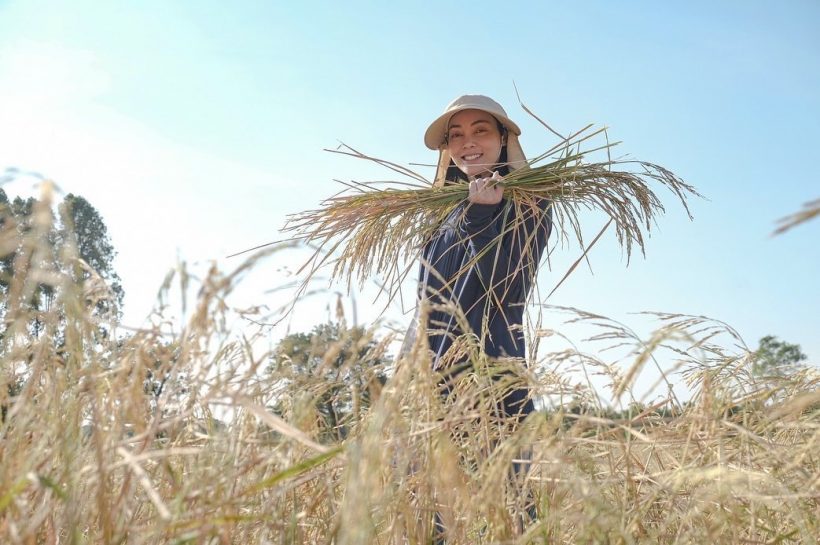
x: 195, y: 127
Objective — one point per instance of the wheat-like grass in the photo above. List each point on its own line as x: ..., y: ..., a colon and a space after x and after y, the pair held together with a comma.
x: 92, y: 453
x: 378, y: 229
x: 810, y: 211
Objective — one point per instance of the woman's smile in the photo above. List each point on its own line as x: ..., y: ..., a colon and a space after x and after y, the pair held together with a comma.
x: 472, y: 158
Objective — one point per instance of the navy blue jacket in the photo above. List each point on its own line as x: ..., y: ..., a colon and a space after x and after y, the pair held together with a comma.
x: 492, y: 290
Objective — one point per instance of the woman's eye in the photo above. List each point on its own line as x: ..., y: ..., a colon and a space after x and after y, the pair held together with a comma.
x: 454, y: 136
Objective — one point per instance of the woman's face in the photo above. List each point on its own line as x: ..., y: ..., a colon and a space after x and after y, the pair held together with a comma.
x: 474, y: 142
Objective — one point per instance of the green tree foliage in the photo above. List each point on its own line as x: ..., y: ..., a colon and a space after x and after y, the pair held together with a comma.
x: 43, y: 254
x: 24, y: 247
x: 776, y: 357
x: 333, y: 374
x: 82, y: 224
x: 77, y: 225
x: 6, y: 253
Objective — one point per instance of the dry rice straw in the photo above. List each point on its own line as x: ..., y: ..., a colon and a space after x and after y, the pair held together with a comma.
x: 379, y: 229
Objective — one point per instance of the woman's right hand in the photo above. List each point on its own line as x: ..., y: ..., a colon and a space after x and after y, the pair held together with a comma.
x: 486, y: 190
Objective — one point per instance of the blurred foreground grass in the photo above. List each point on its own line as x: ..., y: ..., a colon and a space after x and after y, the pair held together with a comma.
x: 189, y: 434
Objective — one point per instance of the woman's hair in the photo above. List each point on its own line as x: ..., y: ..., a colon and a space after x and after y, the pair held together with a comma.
x: 454, y: 174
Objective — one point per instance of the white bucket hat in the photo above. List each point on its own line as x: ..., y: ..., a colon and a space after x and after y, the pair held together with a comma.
x: 436, y: 135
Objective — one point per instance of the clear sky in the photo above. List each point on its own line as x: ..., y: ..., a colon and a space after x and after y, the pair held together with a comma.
x: 195, y: 127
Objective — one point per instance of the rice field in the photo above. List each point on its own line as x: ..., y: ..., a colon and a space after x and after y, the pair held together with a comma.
x: 186, y: 431
x: 190, y: 434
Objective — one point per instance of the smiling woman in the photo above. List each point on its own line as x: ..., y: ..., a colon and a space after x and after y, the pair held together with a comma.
x: 478, y: 267
x: 483, y: 258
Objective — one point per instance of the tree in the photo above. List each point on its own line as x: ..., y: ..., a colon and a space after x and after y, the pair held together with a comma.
x: 51, y: 266
x: 775, y: 357
x: 81, y: 223
x: 28, y: 240
x: 25, y: 245
x: 336, y: 370
x: 6, y: 257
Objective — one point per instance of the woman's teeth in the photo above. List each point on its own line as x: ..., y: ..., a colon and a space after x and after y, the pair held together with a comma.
x: 472, y: 157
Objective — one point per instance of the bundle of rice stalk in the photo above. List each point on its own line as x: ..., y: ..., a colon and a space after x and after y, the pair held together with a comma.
x: 379, y: 228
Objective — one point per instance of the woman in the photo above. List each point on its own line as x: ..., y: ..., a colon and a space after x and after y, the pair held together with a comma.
x: 480, y: 265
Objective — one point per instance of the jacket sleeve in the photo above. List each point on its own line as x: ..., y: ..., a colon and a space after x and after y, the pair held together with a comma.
x: 506, y: 246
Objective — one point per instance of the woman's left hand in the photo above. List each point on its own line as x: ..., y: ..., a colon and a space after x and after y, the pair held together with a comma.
x: 486, y: 190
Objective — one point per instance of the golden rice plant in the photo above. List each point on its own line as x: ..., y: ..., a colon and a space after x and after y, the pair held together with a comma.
x: 229, y: 450
x: 379, y: 228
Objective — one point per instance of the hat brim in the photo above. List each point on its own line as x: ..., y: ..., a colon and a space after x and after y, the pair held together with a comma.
x: 436, y: 133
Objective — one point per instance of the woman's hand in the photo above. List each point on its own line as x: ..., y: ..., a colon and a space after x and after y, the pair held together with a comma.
x: 486, y: 190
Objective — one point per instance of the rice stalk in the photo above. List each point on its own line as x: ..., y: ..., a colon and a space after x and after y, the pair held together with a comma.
x: 379, y: 228
x: 90, y: 454
x: 810, y: 211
